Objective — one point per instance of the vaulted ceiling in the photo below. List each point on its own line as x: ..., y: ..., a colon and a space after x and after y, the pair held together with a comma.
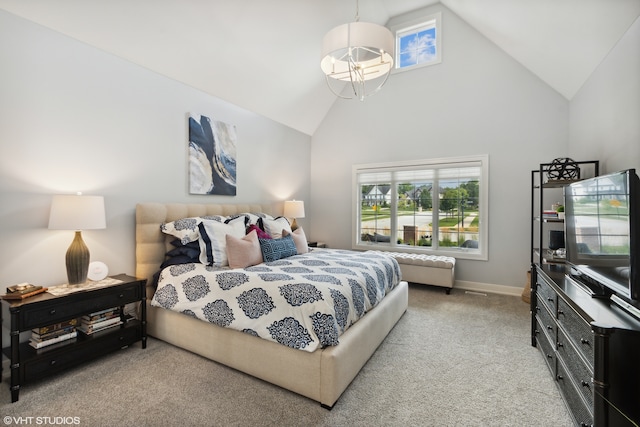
x: 263, y: 55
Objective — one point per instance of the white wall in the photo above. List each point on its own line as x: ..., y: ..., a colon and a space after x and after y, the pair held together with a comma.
x: 74, y: 118
x: 605, y: 113
x: 477, y: 101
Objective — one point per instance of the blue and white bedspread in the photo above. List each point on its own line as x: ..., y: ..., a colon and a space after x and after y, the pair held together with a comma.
x: 305, y: 301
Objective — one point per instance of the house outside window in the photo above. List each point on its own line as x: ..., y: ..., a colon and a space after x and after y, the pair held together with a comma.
x: 418, y: 43
x: 436, y: 206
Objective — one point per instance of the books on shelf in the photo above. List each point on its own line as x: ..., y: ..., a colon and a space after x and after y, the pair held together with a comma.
x: 550, y: 214
x: 56, y: 326
x: 100, y: 320
x: 101, y: 315
x: 63, y: 337
x: 46, y: 336
x: 22, y: 291
x: 52, y: 334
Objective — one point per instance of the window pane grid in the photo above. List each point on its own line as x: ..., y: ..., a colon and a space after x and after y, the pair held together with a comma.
x: 418, y: 44
x: 428, y: 207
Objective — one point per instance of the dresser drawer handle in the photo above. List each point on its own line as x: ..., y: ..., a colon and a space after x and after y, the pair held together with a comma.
x: 584, y: 341
x: 560, y: 313
x: 559, y: 377
x: 121, y: 296
x: 549, y: 356
x: 586, y: 384
x: 550, y: 299
x: 52, y: 312
x: 53, y: 362
x: 560, y: 344
x: 550, y: 328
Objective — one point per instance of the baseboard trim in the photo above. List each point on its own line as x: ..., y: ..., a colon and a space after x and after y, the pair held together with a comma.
x: 488, y: 288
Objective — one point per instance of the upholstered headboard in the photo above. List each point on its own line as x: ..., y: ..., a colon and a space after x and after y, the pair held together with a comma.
x: 152, y: 244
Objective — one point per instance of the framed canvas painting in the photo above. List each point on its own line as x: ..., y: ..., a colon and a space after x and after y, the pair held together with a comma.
x: 212, y: 156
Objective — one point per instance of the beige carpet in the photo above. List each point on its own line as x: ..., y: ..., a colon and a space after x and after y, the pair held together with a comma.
x: 452, y: 360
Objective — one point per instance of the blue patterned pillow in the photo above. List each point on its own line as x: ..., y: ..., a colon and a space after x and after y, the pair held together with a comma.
x: 275, y: 249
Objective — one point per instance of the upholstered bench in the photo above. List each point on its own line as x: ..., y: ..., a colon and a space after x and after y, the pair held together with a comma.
x: 426, y: 269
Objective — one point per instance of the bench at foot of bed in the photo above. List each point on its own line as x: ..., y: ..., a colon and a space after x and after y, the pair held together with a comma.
x: 427, y: 269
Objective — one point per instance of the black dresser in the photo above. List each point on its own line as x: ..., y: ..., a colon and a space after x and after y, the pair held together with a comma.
x: 591, y: 346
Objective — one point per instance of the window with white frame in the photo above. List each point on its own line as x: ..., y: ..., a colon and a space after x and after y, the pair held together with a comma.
x: 418, y: 43
x: 435, y: 206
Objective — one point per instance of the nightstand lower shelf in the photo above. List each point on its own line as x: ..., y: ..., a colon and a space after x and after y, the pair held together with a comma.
x: 36, y: 364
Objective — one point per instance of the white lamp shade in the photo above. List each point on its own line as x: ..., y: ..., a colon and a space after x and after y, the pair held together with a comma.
x: 370, y: 45
x: 71, y: 212
x: 294, y: 209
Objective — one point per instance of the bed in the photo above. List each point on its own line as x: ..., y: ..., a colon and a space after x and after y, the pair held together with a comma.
x: 321, y: 375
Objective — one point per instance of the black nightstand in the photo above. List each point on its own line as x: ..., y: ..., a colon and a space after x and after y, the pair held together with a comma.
x: 28, y: 364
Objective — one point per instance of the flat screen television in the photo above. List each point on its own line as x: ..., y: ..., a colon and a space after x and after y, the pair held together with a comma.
x: 602, y: 229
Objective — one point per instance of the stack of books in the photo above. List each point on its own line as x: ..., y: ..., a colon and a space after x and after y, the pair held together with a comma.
x: 100, y: 320
x: 22, y: 291
x: 550, y: 215
x: 53, y: 334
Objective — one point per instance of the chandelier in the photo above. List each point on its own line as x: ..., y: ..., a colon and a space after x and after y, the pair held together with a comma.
x: 360, y: 54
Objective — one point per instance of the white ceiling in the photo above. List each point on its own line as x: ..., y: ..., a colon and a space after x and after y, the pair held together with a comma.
x: 263, y: 55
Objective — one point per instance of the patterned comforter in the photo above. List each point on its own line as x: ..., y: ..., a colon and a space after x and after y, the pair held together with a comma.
x: 305, y: 301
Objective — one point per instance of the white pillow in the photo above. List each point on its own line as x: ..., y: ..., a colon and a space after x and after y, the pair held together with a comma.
x: 213, y: 242
x: 275, y: 226
x: 186, y: 229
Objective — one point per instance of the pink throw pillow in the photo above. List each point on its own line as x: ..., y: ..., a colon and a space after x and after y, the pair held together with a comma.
x: 299, y: 239
x: 244, y: 252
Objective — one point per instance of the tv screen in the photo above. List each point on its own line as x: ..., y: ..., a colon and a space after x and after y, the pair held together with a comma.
x: 601, y: 231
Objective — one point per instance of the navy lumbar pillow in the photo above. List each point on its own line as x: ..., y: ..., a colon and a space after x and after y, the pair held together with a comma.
x: 275, y: 249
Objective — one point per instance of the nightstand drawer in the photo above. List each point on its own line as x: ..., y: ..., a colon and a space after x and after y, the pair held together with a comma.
x: 52, y: 312
x: 84, y: 348
x: 578, y: 329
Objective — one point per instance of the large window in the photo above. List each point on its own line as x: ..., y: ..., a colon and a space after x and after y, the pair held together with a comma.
x: 418, y: 43
x: 436, y: 206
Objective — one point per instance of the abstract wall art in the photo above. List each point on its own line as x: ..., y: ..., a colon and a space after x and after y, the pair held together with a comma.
x: 212, y: 156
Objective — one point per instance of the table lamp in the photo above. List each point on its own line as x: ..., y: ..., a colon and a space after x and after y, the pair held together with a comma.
x: 294, y: 209
x: 77, y: 212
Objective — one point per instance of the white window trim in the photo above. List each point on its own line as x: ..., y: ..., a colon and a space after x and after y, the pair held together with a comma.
x: 482, y: 253
x: 417, y: 22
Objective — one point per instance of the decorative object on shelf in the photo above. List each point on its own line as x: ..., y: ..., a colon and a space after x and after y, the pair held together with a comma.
x: 22, y: 291
x: 560, y: 211
x: 360, y: 54
x: 77, y: 213
x: 97, y: 271
x: 294, y: 209
x: 563, y: 168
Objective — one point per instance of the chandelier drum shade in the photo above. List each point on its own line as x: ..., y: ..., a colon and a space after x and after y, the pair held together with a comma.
x: 360, y: 54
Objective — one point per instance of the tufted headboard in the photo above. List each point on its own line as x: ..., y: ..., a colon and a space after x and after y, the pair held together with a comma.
x: 152, y: 244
